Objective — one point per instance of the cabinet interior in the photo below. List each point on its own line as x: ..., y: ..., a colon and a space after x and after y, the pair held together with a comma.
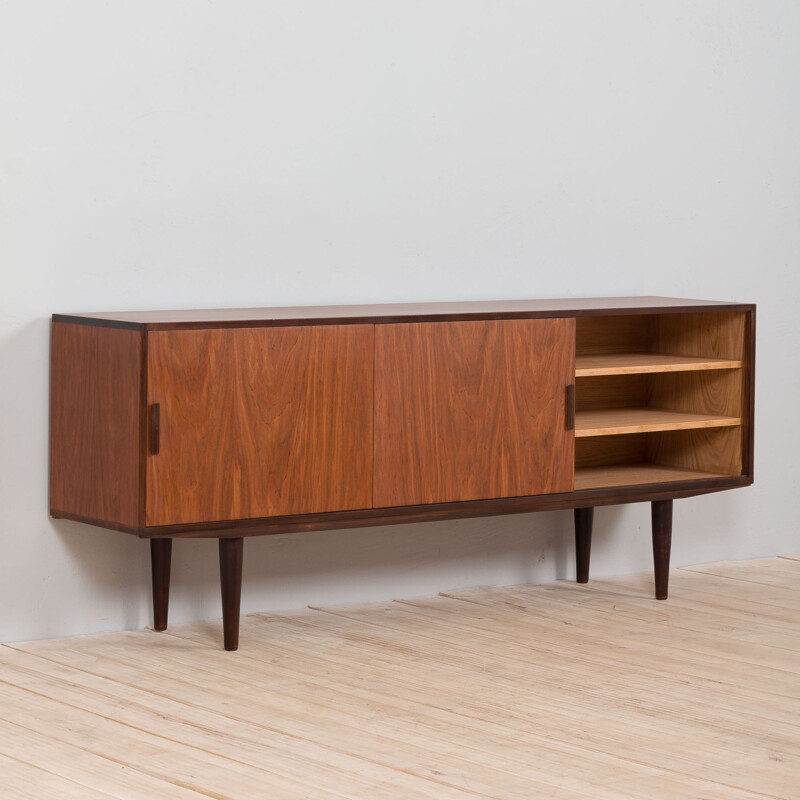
x: 659, y: 397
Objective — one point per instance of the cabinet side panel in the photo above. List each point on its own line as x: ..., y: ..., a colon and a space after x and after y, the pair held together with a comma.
x: 748, y: 454
x: 712, y: 335
x: 95, y: 403
x: 260, y: 422
x: 472, y: 410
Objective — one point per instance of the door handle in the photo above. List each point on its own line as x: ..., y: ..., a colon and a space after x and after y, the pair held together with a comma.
x: 571, y: 407
x: 155, y: 428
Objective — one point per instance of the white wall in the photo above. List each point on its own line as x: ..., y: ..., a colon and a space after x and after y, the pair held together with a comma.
x: 184, y: 154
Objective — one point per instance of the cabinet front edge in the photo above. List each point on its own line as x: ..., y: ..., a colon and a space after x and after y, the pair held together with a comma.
x: 393, y: 318
x: 617, y: 495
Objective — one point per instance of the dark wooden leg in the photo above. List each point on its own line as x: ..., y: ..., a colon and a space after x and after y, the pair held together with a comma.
x: 230, y: 575
x: 583, y: 542
x: 160, y: 561
x: 662, y: 540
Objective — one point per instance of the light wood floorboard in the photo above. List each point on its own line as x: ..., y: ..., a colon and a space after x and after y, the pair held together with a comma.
x: 513, y: 693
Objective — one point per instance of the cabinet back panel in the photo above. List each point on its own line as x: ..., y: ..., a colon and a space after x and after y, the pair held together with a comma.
x: 472, y: 410
x: 259, y: 422
x: 710, y: 334
x: 601, y: 451
x: 610, y: 391
x: 621, y: 334
x: 708, y: 450
x: 704, y: 392
x: 95, y: 424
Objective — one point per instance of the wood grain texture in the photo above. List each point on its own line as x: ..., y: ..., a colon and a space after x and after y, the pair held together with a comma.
x: 709, y: 392
x: 23, y: 781
x: 610, y: 391
x: 597, y: 451
x: 612, y: 421
x: 715, y: 450
x: 718, y: 335
x: 259, y: 422
x: 95, y: 423
x: 637, y: 363
x: 634, y: 474
x: 626, y: 333
x: 618, y: 697
x: 471, y: 410
x: 94, y: 776
x: 436, y: 512
x: 668, y: 349
x: 395, y: 312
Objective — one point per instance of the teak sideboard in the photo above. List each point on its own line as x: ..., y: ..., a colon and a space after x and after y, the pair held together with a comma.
x: 233, y: 423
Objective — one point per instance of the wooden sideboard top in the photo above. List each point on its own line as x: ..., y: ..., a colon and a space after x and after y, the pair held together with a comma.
x: 394, y: 312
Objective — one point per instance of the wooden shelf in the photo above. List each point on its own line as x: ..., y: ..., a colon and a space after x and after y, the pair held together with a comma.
x: 635, y: 474
x: 610, y: 421
x: 638, y: 363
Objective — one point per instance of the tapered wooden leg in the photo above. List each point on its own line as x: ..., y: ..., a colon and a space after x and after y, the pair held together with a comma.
x: 583, y: 542
x: 160, y: 561
x: 230, y: 575
x: 662, y: 541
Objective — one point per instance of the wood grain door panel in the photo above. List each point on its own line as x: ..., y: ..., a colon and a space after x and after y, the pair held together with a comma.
x: 472, y: 410
x: 259, y: 422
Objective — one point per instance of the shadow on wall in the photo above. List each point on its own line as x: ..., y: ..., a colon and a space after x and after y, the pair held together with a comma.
x: 331, y: 567
x: 359, y: 565
x: 112, y: 566
x: 428, y: 556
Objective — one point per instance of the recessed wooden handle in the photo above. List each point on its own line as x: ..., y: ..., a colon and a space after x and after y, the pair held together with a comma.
x: 571, y: 407
x: 155, y: 428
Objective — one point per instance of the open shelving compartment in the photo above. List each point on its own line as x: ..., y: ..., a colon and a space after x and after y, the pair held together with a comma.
x: 659, y: 398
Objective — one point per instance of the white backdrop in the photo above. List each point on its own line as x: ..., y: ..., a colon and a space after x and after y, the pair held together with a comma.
x: 184, y: 154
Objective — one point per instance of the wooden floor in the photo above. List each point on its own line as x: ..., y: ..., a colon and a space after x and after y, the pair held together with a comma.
x: 525, y: 692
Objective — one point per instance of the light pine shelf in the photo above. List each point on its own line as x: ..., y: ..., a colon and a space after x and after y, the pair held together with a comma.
x: 634, y: 475
x: 611, y: 421
x: 639, y: 363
